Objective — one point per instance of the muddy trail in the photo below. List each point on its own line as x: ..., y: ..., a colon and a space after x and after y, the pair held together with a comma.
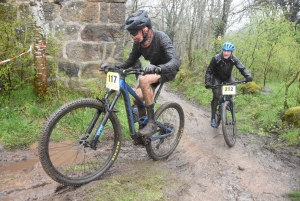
x: 251, y: 170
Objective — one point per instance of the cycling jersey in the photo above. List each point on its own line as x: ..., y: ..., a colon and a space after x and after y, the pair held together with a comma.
x: 221, y: 68
x: 161, y: 53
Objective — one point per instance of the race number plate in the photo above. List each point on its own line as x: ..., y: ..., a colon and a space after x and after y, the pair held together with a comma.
x: 229, y: 90
x: 113, y: 81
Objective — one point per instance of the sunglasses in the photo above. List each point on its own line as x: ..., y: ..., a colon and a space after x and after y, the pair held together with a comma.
x: 134, y: 33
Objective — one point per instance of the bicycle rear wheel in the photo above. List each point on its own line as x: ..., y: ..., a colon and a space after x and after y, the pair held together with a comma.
x: 64, y: 148
x: 228, y: 124
x: 170, y: 115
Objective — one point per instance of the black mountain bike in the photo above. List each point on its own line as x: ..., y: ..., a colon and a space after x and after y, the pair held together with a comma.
x: 81, y: 140
x: 225, y: 112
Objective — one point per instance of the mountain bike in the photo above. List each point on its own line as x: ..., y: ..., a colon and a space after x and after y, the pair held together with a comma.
x: 82, y: 139
x: 225, y: 112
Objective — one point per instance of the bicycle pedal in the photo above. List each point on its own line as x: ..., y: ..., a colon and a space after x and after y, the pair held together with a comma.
x: 145, y: 140
x: 138, y: 141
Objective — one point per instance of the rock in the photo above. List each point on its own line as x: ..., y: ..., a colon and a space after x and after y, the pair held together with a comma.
x: 251, y: 87
x: 292, y: 116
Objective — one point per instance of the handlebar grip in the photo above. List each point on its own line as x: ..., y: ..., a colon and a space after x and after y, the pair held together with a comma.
x: 107, y: 68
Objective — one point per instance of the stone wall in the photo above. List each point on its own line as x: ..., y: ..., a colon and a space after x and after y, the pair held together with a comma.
x: 88, y: 33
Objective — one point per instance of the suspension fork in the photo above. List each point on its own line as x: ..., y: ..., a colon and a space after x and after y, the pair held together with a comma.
x: 233, y: 109
x: 108, y: 109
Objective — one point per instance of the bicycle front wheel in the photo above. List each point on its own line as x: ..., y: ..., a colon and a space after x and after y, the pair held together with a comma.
x: 170, y: 115
x: 218, y: 116
x: 64, y: 148
x: 228, y: 123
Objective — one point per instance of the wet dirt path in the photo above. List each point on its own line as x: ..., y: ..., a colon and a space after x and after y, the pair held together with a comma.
x: 214, y: 171
x: 211, y: 170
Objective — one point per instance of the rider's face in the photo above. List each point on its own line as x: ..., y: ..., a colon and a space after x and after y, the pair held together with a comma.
x: 137, y: 37
x: 226, y: 54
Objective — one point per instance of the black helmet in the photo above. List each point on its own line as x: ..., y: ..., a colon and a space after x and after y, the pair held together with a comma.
x: 137, y: 21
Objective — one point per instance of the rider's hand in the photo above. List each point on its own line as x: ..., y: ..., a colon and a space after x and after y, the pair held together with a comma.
x: 106, y: 68
x: 151, y: 69
x: 104, y: 65
x: 207, y: 86
x: 249, y: 79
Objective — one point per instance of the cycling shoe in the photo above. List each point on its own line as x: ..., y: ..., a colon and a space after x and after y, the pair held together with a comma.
x: 213, y: 123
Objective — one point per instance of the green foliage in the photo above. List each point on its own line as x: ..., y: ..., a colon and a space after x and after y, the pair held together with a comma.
x: 268, y: 47
x: 262, y: 112
x: 295, y: 196
x: 291, y: 136
x: 15, y: 38
x: 23, y: 116
x: 20, y: 118
x: 257, y: 113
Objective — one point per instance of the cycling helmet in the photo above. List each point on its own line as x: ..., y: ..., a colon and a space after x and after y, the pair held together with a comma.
x: 228, y: 46
x: 137, y: 21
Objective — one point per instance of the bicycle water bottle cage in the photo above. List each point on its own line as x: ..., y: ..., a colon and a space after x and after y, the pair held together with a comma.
x: 135, y: 113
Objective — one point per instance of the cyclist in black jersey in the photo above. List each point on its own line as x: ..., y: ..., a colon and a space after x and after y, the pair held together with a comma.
x: 220, y: 71
x: 156, y: 47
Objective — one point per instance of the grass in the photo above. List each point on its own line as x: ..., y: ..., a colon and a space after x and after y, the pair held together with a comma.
x: 22, y: 114
x: 140, y: 183
x: 295, y: 196
x: 256, y: 113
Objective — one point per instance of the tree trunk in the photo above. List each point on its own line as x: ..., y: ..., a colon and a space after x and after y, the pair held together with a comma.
x: 285, y: 105
x: 40, y: 80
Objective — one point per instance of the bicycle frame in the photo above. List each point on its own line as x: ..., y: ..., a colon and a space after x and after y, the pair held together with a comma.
x: 224, y: 98
x: 126, y: 91
x: 230, y: 98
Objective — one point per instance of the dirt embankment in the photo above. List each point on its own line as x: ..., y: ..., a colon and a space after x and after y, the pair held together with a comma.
x: 251, y: 170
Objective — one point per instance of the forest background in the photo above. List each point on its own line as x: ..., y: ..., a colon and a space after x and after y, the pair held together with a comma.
x: 265, y: 34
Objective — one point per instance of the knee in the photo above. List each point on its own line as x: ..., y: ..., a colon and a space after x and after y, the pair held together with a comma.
x: 139, y: 93
x: 143, y: 79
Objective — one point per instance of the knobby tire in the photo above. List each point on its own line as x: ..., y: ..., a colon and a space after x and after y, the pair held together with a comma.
x: 64, y: 157
x: 171, y: 115
x: 218, y: 116
x: 228, y: 124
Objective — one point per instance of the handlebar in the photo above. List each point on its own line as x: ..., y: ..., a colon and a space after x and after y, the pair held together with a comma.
x: 232, y: 83
x: 107, y: 69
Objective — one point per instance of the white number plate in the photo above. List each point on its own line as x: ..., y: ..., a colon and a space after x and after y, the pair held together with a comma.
x: 113, y: 81
x: 229, y: 90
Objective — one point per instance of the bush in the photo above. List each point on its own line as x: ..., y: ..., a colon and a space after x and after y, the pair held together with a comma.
x: 15, y: 38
